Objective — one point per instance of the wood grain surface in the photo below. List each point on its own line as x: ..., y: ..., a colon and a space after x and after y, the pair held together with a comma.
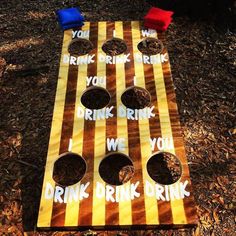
x: 88, y: 138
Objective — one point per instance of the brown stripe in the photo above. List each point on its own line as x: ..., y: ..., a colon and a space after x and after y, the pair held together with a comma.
x: 189, y: 204
x: 58, y: 212
x: 164, y: 207
x: 85, y: 212
x: 129, y: 66
x: 137, y: 204
x: 112, y: 208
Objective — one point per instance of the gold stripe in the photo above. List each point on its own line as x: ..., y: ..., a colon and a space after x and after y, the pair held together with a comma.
x: 46, y: 205
x: 177, y: 206
x: 125, y: 208
x: 151, y: 208
x: 99, y: 205
x: 72, y: 209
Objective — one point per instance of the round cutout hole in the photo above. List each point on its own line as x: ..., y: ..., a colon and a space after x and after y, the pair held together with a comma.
x: 80, y: 47
x: 164, y: 168
x: 114, y: 46
x: 150, y: 46
x: 116, y: 169
x: 136, y: 98
x: 69, y: 169
x: 95, y: 98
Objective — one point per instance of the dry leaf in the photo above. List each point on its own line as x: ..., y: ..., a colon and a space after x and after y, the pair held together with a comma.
x: 215, y: 216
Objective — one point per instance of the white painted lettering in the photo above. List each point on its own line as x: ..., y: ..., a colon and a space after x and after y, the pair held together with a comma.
x: 66, y: 195
x: 149, y: 189
x: 121, y: 111
x: 74, y: 33
x: 164, y: 58
x: 174, y: 191
x: 58, y: 193
x: 100, y: 190
x: 73, y: 193
x: 72, y: 60
x: 183, y: 192
x: 88, y: 80
x: 109, y: 192
x: 80, y: 112
x: 108, y: 112
x: 66, y: 59
x: 133, y: 192
x: 116, y: 144
x: 88, y: 114
x: 108, y: 60
x: 49, y: 191
x: 130, y: 113
x: 159, y: 191
x: 146, y: 59
x: 153, y: 142
x: 82, y: 193
x: 124, y: 193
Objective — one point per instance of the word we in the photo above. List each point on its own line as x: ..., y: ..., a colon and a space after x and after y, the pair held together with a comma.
x: 114, y: 144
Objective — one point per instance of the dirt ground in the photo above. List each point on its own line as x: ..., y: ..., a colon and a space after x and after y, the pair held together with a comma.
x: 204, y: 71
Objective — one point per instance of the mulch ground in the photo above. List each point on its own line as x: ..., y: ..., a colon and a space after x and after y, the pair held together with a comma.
x: 204, y: 72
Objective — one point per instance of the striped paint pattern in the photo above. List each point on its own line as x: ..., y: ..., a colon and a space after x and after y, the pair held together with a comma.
x: 89, y: 137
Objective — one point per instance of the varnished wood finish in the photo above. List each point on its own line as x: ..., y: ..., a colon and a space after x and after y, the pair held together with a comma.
x: 89, y: 137
x: 85, y: 216
x: 112, y: 208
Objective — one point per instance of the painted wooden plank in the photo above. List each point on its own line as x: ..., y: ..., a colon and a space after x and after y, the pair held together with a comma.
x: 125, y: 214
x: 151, y: 209
x: 99, y: 203
x: 177, y: 207
x: 88, y: 137
x: 46, y: 205
x: 72, y: 208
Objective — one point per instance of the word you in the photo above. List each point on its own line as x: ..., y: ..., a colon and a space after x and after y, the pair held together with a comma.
x: 161, y: 143
x: 96, y: 80
x: 80, y: 34
x: 107, y: 112
x: 121, y: 193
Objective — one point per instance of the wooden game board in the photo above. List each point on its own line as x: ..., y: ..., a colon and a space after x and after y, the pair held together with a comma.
x: 89, y: 136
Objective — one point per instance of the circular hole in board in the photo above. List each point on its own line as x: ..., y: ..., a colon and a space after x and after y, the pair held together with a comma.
x: 150, y: 46
x: 136, y: 98
x: 116, y: 169
x: 114, y: 46
x: 164, y: 168
x: 69, y: 169
x: 80, y: 47
x: 95, y: 97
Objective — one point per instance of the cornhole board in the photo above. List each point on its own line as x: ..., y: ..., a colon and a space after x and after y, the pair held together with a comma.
x: 146, y: 208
